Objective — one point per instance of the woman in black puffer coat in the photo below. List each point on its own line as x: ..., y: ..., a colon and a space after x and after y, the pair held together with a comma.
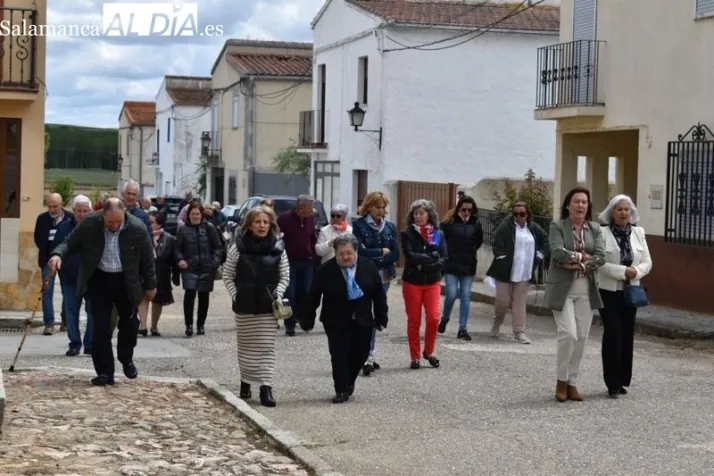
x: 199, y: 253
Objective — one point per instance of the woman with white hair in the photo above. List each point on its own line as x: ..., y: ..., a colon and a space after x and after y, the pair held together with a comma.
x: 424, y: 248
x: 627, y: 261
x: 338, y: 226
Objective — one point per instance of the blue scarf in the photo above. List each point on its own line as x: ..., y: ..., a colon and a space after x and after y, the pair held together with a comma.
x: 353, y: 289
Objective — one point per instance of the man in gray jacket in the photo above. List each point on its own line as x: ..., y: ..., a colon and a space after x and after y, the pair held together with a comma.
x: 116, y: 269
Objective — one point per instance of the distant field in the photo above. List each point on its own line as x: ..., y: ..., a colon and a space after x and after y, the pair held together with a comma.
x: 103, y: 179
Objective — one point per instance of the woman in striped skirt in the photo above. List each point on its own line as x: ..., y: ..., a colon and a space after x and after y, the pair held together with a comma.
x: 256, y: 273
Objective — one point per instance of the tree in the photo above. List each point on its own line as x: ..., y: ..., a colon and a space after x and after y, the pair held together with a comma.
x: 534, y: 192
x: 65, y: 187
x: 290, y: 161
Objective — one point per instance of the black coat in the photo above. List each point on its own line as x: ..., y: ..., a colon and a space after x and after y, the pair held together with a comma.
x: 200, y: 247
x: 135, y: 249
x: 424, y: 262
x: 463, y: 239
x: 167, y: 270
x: 330, y: 286
x: 504, y: 245
x: 257, y: 278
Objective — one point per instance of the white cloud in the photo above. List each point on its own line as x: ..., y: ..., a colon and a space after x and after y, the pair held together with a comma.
x: 90, y: 77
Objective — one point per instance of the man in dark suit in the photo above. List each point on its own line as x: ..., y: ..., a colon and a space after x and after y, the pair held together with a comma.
x: 116, y: 270
x: 46, y: 240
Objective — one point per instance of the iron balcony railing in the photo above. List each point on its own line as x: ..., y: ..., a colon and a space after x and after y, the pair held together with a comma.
x: 568, y: 75
x: 312, y: 129
x: 18, y: 48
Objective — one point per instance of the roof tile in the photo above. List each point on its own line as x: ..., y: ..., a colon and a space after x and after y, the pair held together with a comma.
x: 452, y: 13
x: 140, y: 113
x: 272, y: 65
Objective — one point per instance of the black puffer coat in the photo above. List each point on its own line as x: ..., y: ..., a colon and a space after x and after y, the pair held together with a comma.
x: 424, y: 262
x: 200, y: 247
x: 463, y: 239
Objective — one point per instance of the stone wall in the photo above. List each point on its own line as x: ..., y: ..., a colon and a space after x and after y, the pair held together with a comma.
x: 23, y: 295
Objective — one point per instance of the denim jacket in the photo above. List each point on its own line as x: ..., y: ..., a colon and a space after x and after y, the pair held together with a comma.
x: 371, y: 243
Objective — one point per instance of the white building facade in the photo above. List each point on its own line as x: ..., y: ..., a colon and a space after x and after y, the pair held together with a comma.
x: 182, y: 115
x: 453, y: 104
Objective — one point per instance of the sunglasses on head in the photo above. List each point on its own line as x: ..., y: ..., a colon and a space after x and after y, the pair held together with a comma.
x: 335, y: 215
x: 520, y: 214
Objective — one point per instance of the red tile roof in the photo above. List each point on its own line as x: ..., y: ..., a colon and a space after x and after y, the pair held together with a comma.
x: 140, y: 113
x: 453, y: 13
x: 272, y: 65
x: 190, y: 96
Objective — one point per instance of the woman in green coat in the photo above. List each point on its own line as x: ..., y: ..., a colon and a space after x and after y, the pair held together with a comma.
x: 577, y: 251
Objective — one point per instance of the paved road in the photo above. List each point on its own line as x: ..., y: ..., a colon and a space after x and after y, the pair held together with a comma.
x: 488, y: 410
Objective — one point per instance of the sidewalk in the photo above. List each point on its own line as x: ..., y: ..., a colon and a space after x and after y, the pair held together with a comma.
x: 652, y: 320
x: 56, y: 423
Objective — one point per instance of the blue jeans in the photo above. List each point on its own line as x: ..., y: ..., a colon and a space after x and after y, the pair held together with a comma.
x: 48, y: 308
x: 71, y: 304
x: 301, y: 274
x: 458, y: 286
x: 374, y: 329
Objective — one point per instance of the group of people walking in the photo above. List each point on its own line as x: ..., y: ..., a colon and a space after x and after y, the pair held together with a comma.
x: 109, y: 259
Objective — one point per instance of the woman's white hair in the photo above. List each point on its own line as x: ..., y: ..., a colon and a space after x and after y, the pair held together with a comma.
x: 81, y: 200
x: 606, y: 215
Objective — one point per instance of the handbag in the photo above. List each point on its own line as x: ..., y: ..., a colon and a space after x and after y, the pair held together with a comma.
x: 281, y: 310
x: 635, y: 295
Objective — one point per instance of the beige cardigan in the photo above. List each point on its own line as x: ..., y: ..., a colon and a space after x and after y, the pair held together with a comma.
x: 612, y: 272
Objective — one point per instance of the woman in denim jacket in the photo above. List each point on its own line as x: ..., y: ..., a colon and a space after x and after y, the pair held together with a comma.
x: 377, y: 241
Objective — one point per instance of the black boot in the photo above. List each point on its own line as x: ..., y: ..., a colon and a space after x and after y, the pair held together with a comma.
x: 266, y: 396
x: 442, y: 326
x: 367, y: 369
x: 189, y: 331
x: 245, y: 390
x: 340, y: 398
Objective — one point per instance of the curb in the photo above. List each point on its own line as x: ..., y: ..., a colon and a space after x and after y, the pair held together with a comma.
x: 19, y: 322
x: 285, y: 440
x: 2, y: 401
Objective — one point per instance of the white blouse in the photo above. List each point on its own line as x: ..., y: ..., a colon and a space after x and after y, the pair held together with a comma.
x: 523, y: 254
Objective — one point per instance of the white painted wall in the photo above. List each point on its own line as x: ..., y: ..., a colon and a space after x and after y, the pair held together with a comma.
x: 456, y: 115
x: 179, y: 152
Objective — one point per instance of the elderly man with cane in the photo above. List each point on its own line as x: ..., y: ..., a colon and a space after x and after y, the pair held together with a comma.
x: 116, y: 269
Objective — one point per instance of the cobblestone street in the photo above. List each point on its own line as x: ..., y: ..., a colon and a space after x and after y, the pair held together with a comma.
x: 60, y: 425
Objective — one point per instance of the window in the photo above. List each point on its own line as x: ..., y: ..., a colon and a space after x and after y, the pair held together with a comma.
x: 236, y: 110
x: 362, y: 79
x: 232, y: 188
x: 215, y: 125
x: 704, y: 8
x: 360, y: 186
x: 10, y: 163
x: 127, y: 152
x: 327, y: 182
x: 168, y: 129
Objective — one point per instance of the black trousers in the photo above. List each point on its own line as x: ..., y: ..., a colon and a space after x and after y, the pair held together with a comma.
x: 618, y: 339
x: 104, y: 291
x: 349, y: 348
x: 189, y: 300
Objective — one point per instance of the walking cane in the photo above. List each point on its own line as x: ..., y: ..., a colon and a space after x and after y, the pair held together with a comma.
x: 28, y: 324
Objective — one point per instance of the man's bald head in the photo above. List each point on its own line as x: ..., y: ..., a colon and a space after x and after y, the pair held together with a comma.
x: 113, y: 211
x: 54, y: 204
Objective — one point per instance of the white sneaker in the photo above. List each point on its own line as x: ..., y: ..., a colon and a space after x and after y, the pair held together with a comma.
x: 522, y: 338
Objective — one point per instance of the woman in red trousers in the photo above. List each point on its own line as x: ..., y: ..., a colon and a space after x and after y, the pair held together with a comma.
x: 424, y: 248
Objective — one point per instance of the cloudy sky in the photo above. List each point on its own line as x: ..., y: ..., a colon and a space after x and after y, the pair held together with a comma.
x: 89, y: 78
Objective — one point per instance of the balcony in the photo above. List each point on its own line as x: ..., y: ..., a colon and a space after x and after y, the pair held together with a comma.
x: 312, y: 131
x: 18, y: 53
x: 569, y: 80
x: 209, y: 152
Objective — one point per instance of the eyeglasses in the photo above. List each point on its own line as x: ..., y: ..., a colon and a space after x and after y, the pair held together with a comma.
x: 466, y: 210
x: 520, y: 214
x: 335, y: 215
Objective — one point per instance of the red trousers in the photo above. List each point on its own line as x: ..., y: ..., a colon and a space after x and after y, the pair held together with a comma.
x: 415, y: 297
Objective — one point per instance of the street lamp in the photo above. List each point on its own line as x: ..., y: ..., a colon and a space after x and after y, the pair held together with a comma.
x: 205, y: 143
x: 357, y: 119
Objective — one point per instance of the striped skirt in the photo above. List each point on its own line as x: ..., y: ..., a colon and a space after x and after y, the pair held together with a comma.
x: 255, y: 336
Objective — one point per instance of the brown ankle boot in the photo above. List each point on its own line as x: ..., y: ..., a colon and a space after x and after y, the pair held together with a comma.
x: 561, y: 391
x: 573, y: 394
